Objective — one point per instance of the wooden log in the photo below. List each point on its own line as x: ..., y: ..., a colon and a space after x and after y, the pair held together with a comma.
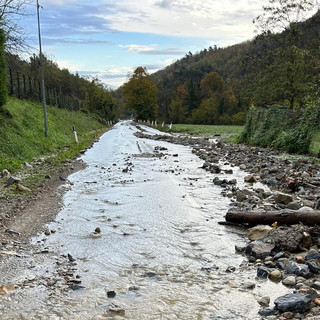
x: 285, y: 216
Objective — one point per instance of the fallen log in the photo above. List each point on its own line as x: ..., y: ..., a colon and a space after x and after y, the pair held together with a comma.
x: 285, y: 216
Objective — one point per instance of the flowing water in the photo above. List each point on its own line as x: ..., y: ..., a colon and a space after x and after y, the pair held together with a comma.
x: 160, y: 249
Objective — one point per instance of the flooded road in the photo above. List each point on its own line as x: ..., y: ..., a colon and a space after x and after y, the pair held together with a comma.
x: 161, y: 250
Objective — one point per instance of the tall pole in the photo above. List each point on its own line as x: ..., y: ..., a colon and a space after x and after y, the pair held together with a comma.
x: 42, y: 77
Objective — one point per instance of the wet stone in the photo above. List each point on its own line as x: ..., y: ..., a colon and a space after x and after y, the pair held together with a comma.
x: 262, y: 272
x: 289, y: 281
x: 298, y: 269
x: 264, y: 301
x: 111, y: 294
x: 299, y: 303
x: 266, y: 312
x: 259, y: 249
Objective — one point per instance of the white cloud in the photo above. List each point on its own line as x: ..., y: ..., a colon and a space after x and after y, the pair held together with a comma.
x: 189, y: 18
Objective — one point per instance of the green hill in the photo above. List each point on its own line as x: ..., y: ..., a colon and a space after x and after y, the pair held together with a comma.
x: 251, y: 71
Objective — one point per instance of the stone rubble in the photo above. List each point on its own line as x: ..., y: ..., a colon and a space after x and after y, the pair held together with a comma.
x: 286, y: 254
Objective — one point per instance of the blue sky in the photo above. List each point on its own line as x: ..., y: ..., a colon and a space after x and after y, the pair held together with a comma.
x: 109, y: 39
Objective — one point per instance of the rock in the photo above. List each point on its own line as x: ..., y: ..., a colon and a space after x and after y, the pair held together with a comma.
x: 71, y: 258
x: 262, y: 272
x: 264, y: 301
x: 241, y: 196
x: 22, y: 188
x: 206, y: 165
x: 275, y: 275
x: 111, y: 294
x: 289, y: 281
x: 298, y: 303
x: 47, y: 232
x: 288, y: 315
x: 117, y: 310
x: 317, y: 301
x: 316, y: 285
x: 5, y: 173
x: 243, y: 167
x: 294, y: 205
x: 12, y: 180
x: 266, y: 312
x: 28, y: 165
x: 250, y: 179
x: 283, y: 198
x: 240, y: 249
x: 250, y: 285
x: 286, y: 238
x: 97, y: 230
x: 230, y: 269
x: 312, y: 255
x: 6, y: 289
x: 300, y: 259
x: 314, y: 266
x: 258, y: 232
x: 259, y: 249
x: 298, y: 269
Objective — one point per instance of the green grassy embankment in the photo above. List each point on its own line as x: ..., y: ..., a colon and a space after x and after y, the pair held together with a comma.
x: 22, y: 137
x: 228, y: 133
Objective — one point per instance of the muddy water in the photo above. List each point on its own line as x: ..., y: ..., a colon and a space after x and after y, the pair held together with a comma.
x: 160, y: 249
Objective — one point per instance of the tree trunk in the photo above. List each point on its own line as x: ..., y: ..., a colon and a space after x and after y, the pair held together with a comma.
x: 285, y: 216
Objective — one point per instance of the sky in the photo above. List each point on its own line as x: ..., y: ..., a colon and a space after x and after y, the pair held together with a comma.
x: 109, y: 39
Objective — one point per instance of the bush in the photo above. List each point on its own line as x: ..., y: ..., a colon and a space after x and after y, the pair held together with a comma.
x: 282, y: 128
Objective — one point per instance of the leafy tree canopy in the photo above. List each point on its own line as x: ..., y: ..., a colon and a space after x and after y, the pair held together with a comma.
x: 140, y: 94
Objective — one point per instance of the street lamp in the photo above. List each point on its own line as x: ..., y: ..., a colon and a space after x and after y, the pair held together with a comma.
x: 42, y: 77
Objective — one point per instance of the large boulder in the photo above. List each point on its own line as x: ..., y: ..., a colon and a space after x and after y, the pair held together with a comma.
x: 297, y: 303
x: 287, y: 238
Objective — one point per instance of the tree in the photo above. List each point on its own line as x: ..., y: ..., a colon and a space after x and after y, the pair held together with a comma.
x: 140, y: 94
x: 177, y: 109
x: 284, y: 78
x: 10, y: 10
x: 280, y: 15
x: 212, y: 84
x: 3, y: 84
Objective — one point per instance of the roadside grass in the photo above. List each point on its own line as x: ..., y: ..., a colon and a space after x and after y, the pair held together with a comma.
x: 228, y: 133
x: 22, y: 137
x: 315, y: 144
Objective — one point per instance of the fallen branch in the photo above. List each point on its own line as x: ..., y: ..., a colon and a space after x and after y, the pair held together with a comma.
x: 285, y: 216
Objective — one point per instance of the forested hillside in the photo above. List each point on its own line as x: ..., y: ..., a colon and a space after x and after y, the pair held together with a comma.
x: 218, y: 85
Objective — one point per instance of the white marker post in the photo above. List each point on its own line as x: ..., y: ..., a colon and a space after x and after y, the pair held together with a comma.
x: 75, y: 134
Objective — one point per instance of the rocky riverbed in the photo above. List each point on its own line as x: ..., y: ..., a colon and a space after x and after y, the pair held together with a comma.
x: 287, y: 254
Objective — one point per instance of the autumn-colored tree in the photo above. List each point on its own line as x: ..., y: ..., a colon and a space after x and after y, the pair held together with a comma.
x: 140, y: 94
x: 178, y: 110
x: 212, y: 84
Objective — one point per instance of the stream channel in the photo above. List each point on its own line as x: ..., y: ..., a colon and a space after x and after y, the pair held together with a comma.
x: 161, y: 249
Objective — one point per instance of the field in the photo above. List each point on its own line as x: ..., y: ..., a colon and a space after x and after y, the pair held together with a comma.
x: 228, y: 133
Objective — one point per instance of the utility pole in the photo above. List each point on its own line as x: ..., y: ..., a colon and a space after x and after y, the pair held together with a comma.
x: 43, y: 89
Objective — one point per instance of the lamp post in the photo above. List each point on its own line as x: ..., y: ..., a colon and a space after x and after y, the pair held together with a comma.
x: 42, y: 77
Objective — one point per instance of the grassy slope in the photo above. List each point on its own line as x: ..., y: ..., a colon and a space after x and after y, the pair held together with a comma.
x: 22, y: 135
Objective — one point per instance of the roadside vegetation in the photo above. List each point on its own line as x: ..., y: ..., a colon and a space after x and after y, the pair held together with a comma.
x: 23, y: 139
